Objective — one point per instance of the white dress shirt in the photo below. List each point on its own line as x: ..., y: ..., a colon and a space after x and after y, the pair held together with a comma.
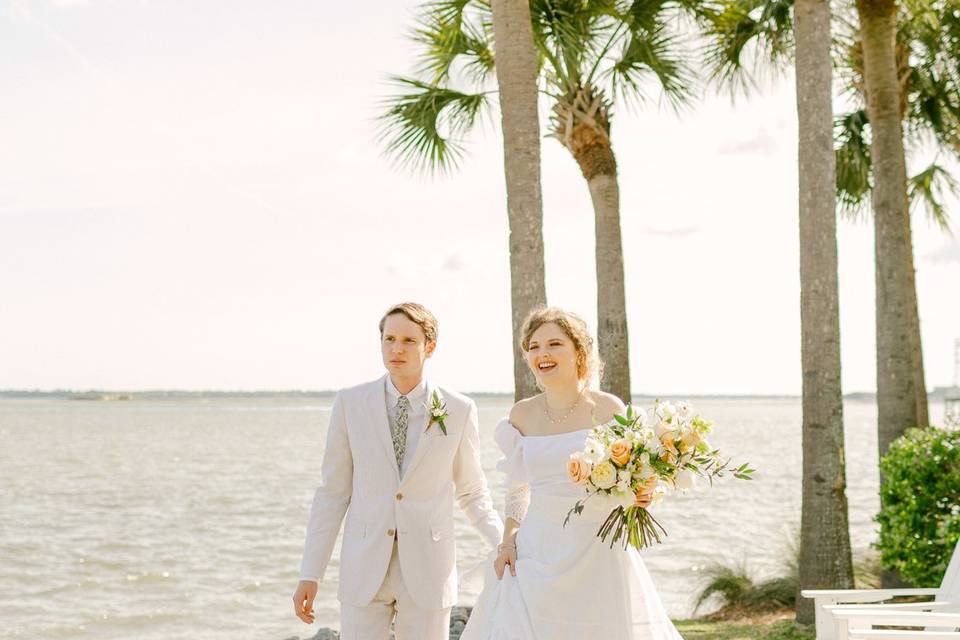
x: 416, y: 416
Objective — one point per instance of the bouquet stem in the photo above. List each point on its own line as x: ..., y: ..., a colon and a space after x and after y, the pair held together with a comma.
x: 631, y: 526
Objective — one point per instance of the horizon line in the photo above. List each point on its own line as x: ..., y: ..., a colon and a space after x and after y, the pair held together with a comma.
x: 290, y: 391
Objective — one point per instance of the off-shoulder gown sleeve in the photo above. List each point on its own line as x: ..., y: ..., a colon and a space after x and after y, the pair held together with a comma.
x: 518, y: 486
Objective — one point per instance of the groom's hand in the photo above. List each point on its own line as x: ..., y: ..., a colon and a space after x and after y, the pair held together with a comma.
x: 303, y: 600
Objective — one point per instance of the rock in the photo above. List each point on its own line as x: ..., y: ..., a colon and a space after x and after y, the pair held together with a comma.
x: 326, y: 634
x: 458, y: 620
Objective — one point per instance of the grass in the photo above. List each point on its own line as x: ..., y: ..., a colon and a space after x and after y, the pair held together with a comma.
x: 757, y: 629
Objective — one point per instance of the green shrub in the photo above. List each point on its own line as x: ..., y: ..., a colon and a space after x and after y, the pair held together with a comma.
x: 920, y: 497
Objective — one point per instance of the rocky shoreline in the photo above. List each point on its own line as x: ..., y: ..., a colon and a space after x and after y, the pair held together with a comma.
x: 458, y: 620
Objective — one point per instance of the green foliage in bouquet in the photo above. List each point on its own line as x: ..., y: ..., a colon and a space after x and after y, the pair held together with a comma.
x: 920, y: 518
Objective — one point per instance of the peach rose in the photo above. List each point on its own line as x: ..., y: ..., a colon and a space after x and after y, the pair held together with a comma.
x: 578, y: 469
x: 670, y: 452
x: 690, y: 440
x: 645, y: 491
x: 620, y: 452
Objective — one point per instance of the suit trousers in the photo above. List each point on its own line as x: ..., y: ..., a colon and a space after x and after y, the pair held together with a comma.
x: 393, y: 604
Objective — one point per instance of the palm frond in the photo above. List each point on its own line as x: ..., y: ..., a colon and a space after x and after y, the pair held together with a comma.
x: 745, y: 35
x: 928, y: 187
x: 448, y: 34
x: 653, y: 53
x: 571, y: 34
x: 852, y: 149
x: 642, y: 15
x: 931, y: 34
x: 422, y: 126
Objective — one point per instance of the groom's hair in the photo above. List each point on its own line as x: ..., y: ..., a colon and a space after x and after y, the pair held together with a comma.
x: 416, y: 313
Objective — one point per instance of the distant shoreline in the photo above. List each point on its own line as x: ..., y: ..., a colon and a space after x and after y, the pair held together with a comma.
x: 937, y: 394
x: 182, y: 394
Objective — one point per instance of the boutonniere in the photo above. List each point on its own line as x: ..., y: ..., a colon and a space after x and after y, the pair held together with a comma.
x: 438, y: 412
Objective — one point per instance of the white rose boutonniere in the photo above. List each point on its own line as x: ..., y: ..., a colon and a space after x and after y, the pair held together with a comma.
x: 438, y: 412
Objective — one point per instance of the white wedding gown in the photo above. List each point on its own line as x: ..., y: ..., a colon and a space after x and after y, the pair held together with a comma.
x: 569, y: 584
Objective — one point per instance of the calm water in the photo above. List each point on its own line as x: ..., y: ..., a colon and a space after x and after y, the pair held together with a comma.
x: 185, y: 519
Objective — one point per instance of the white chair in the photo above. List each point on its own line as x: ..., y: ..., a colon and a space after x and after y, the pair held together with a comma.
x: 898, y: 634
x: 858, y: 624
x: 828, y: 602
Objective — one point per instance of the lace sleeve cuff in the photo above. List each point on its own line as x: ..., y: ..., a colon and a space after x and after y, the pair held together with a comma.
x: 518, y: 499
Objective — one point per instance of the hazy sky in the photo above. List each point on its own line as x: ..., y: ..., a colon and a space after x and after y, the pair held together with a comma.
x: 192, y: 196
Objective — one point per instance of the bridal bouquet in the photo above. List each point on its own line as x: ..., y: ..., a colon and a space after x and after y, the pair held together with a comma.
x: 640, y: 453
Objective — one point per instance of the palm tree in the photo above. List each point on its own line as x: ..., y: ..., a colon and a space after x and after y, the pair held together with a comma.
x: 928, y: 37
x: 928, y: 108
x: 825, y: 555
x: 897, y: 339
x: 421, y: 128
x: 592, y: 53
x: 517, y: 68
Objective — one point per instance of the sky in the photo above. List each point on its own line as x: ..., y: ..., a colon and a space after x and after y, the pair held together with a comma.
x: 194, y: 197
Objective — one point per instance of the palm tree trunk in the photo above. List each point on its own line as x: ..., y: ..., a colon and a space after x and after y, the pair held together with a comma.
x: 599, y: 166
x: 825, y: 556
x: 517, y: 72
x: 919, y: 380
x: 897, y: 397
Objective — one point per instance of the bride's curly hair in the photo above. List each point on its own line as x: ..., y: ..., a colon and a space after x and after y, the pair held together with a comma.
x: 575, y: 328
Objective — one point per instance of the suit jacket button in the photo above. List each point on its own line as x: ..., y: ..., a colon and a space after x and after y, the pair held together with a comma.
x: 399, y: 496
x: 391, y: 532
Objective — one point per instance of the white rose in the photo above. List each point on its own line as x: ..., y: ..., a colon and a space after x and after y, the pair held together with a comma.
x: 646, y: 472
x: 685, y: 479
x: 666, y: 410
x: 604, y: 475
x: 655, y: 447
x: 641, y: 414
x: 662, y: 428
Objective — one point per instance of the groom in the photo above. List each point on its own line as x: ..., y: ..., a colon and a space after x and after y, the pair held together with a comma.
x: 399, y: 450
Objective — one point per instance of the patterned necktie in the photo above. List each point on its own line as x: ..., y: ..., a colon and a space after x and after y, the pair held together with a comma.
x: 400, y: 431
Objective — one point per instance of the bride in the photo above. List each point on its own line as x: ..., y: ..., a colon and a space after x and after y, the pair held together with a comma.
x: 549, y: 581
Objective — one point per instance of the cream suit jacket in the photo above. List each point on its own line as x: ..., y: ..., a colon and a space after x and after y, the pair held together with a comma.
x: 360, y: 478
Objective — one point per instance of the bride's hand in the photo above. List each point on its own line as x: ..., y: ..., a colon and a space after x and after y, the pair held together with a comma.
x: 506, y: 556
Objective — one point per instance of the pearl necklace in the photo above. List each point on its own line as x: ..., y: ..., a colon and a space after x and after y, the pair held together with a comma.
x: 546, y: 409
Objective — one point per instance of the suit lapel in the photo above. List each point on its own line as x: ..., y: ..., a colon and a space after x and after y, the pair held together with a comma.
x: 424, y: 440
x: 377, y: 405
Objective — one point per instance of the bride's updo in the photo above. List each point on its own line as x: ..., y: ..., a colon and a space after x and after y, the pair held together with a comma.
x: 575, y: 328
